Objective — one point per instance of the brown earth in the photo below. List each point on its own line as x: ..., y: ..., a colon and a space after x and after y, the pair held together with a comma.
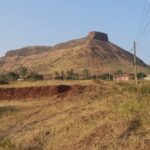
x: 42, y: 91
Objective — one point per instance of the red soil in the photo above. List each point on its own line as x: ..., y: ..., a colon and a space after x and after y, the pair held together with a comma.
x: 42, y: 91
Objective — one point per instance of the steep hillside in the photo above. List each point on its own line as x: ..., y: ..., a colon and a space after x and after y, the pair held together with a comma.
x: 94, y: 52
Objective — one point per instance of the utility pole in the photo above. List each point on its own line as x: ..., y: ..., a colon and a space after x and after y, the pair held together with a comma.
x: 135, y: 64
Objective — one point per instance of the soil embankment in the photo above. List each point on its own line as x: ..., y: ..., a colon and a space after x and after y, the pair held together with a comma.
x: 41, y: 91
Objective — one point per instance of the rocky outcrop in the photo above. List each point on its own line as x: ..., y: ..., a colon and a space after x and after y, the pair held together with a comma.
x: 26, y: 51
x: 98, y: 36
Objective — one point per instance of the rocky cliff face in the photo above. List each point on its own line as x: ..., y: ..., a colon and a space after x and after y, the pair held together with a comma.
x: 94, y: 52
x: 26, y: 51
x: 98, y: 36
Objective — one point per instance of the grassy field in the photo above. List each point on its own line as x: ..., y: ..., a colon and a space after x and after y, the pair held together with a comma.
x: 46, y: 83
x: 108, y: 116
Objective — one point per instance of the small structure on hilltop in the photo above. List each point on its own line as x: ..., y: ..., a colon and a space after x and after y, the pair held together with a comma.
x: 123, y: 77
x: 98, y: 36
x: 147, y: 77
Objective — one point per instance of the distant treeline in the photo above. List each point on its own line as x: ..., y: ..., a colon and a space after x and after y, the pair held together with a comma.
x: 84, y: 75
x: 23, y: 73
x: 20, y: 73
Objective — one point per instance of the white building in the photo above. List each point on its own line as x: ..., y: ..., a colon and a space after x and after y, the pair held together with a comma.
x: 148, y: 77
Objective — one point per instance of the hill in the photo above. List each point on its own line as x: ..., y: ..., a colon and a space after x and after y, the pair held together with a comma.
x: 94, y: 52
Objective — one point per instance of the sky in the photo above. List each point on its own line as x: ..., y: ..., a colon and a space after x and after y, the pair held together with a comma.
x: 48, y: 22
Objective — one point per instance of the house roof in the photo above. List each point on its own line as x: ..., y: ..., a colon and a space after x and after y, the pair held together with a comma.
x: 123, y: 75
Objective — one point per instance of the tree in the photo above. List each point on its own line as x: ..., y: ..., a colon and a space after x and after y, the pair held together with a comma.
x: 76, y: 76
x: 105, y: 76
x: 86, y: 74
x: 22, y: 71
x: 2, y: 77
x: 119, y: 71
x: 56, y: 75
x: 62, y: 75
x: 11, y: 76
x: 70, y: 74
x: 34, y: 76
x: 94, y: 77
x: 141, y: 75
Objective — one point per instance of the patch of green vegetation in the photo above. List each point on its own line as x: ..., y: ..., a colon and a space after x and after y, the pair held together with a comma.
x: 134, y: 108
x: 7, y: 145
x: 130, y: 107
x: 132, y: 88
x: 7, y: 110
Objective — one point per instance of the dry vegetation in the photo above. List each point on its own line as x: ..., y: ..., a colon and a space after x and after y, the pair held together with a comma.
x: 107, y: 116
x: 47, y: 83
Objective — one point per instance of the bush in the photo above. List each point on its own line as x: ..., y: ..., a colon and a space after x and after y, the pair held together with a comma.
x: 105, y: 76
x: 2, y: 82
x: 7, y: 144
x: 141, y: 75
x: 11, y: 76
x: 22, y: 71
x: 69, y: 75
x: 86, y: 74
x: 34, y: 76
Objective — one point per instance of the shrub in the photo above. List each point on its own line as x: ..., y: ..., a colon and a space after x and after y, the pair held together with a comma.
x: 105, y: 76
x: 86, y: 74
x: 141, y: 75
x: 11, y: 76
x: 7, y: 144
x: 22, y: 71
x: 34, y: 76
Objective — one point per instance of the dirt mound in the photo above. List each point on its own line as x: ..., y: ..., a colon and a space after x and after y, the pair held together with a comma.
x: 42, y: 91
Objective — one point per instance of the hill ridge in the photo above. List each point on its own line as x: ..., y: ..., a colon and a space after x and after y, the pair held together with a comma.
x: 94, y: 52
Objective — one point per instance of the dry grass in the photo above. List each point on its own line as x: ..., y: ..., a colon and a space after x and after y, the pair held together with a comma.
x: 106, y: 118
x: 46, y: 83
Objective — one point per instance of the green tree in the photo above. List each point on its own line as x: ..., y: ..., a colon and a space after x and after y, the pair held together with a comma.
x: 62, y: 76
x: 34, y: 76
x: 70, y: 74
x: 105, y: 76
x: 2, y: 77
x: 76, y: 76
x: 57, y: 75
x: 141, y: 75
x: 11, y: 76
x: 22, y: 71
x: 119, y: 71
x: 86, y: 74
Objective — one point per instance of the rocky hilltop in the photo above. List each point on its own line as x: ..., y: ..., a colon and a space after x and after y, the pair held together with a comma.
x: 94, y: 52
x: 26, y: 51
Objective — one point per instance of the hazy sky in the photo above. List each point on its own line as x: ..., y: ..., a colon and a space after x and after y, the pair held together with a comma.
x: 47, y: 22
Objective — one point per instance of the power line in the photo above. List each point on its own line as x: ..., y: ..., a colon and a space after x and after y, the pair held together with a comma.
x: 146, y: 14
x: 142, y: 17
x: 146, y: 29
x: 144, y: 24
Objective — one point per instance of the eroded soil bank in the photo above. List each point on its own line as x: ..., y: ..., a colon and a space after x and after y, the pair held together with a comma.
x: 41, y: 91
